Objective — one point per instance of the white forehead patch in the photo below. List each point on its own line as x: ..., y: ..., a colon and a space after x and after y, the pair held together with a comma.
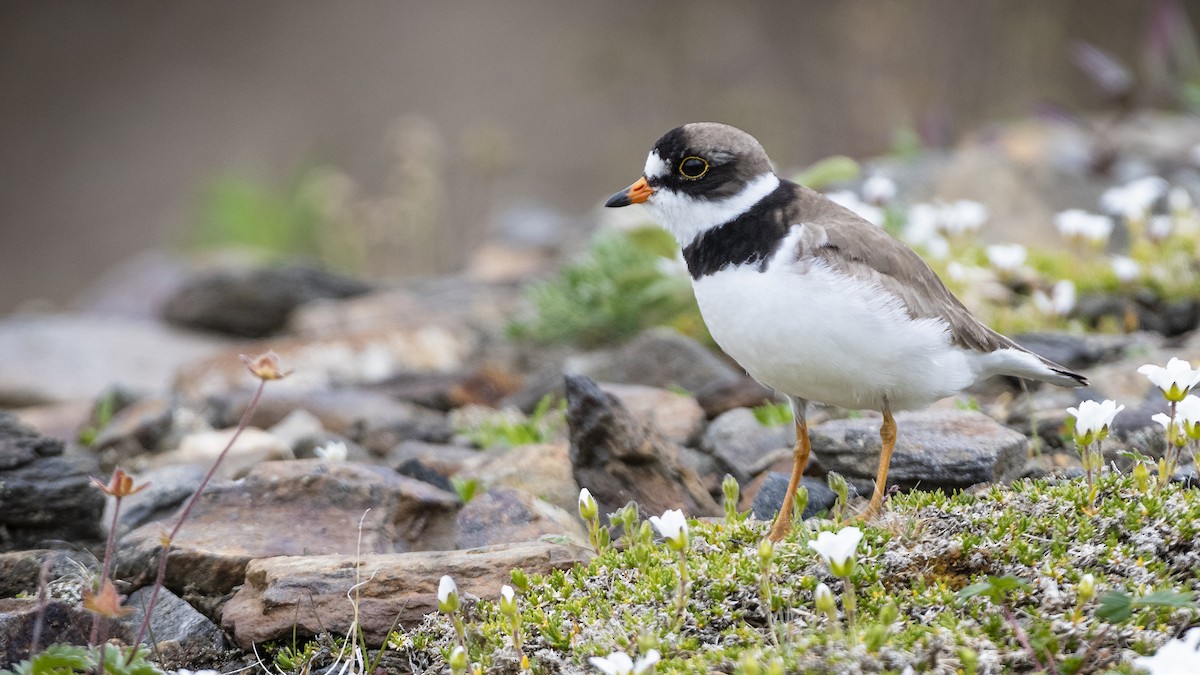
x: 656, y: 167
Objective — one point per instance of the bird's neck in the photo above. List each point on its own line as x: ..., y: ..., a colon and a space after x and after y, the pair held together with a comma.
x: 687, y: 217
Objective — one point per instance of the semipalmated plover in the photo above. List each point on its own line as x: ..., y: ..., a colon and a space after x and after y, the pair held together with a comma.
x: 812, y: 300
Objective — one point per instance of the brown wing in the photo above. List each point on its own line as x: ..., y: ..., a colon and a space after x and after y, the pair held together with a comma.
x: 851, y: 245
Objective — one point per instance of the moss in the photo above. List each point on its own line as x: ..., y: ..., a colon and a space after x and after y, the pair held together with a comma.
x: 912, y: 564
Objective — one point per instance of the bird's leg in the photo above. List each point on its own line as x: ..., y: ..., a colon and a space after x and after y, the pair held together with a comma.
x: 887, y: 434
x: 800, y: 453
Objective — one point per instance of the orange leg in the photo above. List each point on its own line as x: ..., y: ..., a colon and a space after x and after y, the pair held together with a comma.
x: 800, y: 453
x: 887, y: 434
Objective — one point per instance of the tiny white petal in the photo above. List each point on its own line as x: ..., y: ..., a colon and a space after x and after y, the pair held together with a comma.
x: 507, y: 592
x: 1126, y: 269
x: 334, y: 451
x: 879, y: 189
x: 616, y: 663
x: 1006, y: 257
x: 646, y: 662
x: 446, y: 587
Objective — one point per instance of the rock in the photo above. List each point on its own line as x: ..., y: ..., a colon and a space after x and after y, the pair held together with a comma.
x: 253, y: 446
x: 1077, y: 352
x: 371, y: 419
x: 487, y: 385
x: 768, y: 497
x: 1169, y: 318
x: 44, y: 494
x: 309, y: 593
x: 297, y: 427
x: 300, y: 507
x: 677, y: 417
x: 619, y: 458
x: 706, y: 467
x: 63, y: 421
x: 253, y: 303
x: 504, y: 515
x: 180, y: 633
x: 66, y: 357
x: 346, y: 360
x: 429, y: 462
x: 137, y: 287
x: 740, y: 442
x: 167, y: 488
x: 725, y: 395
x: 20, y: 570
x: 946, y: 449
x: 62, y: 623
x: 541, y: 469
x: 150, y: 425
x: 659, y: 357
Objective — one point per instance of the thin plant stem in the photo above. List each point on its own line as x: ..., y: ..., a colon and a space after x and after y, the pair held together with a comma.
x: 850, y: 603
x: 106, y: 568
x: 1024, y: 640
x: 187, y: 510
x: 681, y: 601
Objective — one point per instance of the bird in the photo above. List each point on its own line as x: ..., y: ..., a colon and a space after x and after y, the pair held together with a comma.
x: 812, y: 300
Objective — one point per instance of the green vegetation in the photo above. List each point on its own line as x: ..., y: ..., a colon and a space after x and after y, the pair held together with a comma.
x: 940, y: 581
x: 622, y: 285
x: 502, y: 430
x: 773, y: 414
x: 69, y: 659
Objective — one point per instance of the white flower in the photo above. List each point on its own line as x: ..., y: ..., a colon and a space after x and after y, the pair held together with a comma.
x: 870, y: 213
x: 1175, y: 380
x: 334, y: 451
x: 619, y: 663
x: 587, y: 505
x: 1060, y: 302
x: 1159, y: 227
x: 1134, y: 199
x: 1127, y: 269
x: 1080, y: 225
x: 1175, y: 657
x: 837, y: 550
x: 1093, y: 419
x: 673, y: 527
x: 1187, y: 412
x: 1006, y: 257
x: 962, y: 216
x: 447, y: 595
x: 878, y: 189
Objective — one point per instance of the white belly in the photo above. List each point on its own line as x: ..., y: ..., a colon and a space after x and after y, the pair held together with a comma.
x: 823, y: 336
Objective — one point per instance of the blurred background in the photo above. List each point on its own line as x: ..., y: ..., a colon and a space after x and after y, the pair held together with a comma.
x: 391, y: 138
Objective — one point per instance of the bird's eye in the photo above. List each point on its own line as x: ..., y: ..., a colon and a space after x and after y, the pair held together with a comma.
x: 693, y: 167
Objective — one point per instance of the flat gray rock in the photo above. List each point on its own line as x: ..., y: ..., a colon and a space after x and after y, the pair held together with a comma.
x: 181, y: 633
x: 740, y: 442
x: 659, y: 357
x: 298, y: 507
x: 63, y: 357
x: 947, y: 449
x: 308, y: 594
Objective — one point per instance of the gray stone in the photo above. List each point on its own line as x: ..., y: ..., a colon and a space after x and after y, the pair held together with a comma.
x: 504, y: 516
x: 308, y: 593
x: 44, y: 494
x: 659, y: 357
x: 433, y: 463
x: 540, y: 469
x: 770, y: 495
x: 619, y: 458
x: 255, y: 302
x: 167, y: 488
x: 299, y: 507
x: 180, y: 633
x: 724, y: 395
x: 677, y: 416
x: 63, y: 357
x: 62, y: 623
x: 20, y: 570
x: 946, y: 449
x: 739, y: 441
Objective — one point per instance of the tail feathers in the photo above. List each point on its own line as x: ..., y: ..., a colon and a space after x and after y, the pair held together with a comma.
x: 1020, y: 363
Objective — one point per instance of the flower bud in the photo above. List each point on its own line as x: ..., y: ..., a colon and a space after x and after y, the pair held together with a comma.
x: 588, y: 510
x: 824, y: 600
x: 1087, y: 588
x: 766, y: 552
x: 458, y: 660
x: 447, y: 595
x: 508, y: 601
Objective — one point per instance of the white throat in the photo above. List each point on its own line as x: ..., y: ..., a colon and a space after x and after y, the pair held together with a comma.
x: 687, y: 217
